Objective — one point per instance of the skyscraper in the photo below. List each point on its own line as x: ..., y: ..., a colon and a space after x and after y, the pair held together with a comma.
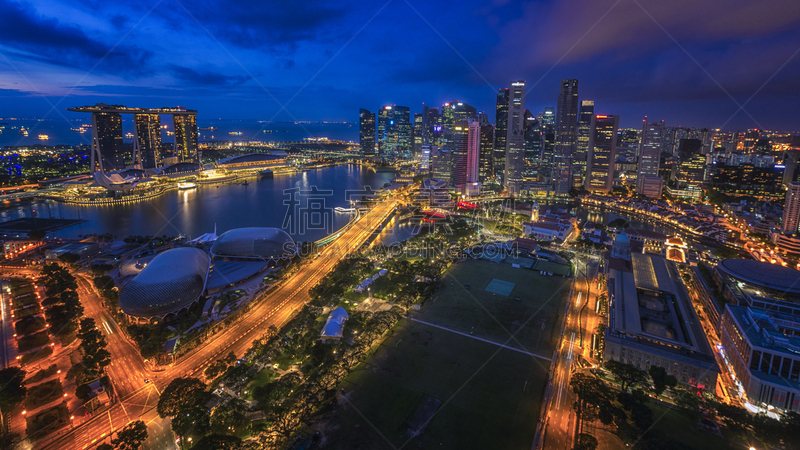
x: 185, y: 126
x: 147, y: 140
x: 533, y: 147
x: 430, y: 120
x: 501, y: 127
x: 548, y: 116
x: 566, y: 133
x: 485, y: 166
x: 387, y: 136
x: 107, y: 140
x: 465, y: 153
x: 405, y: 142
x: 649, y: 153
x: 366, y: 132
x: 582, y: 141
x: 602, y: 146
x: 515, y: 139
x: 791, y: 209
x: 418, y: 131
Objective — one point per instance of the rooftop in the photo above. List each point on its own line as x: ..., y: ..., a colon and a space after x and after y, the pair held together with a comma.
x: 764, y: 274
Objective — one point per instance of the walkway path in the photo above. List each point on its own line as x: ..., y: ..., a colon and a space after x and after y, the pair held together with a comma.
x: 480, y: 339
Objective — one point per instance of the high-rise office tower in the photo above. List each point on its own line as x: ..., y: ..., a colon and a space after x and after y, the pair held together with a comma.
x: 582, y: 141
x: 405, y: 141
x: 485, y: 166
x: 602, y: 146
x: 147, y: 140
x: 515, y: 139
x: 566, y: 134
x: 501, y: 126
x: 366, y: 132
x: 425, y: 157
x: 465, y: 153
x: 185, y: 126
x: 791, y: 163
x: 533, y: 147
x: 649, y: 153
x: 547, y: 117
x: 107, y: 140
x: 791, y: 209
x: 387, y: 136
x: 417, y: 132
x: 430, y: 120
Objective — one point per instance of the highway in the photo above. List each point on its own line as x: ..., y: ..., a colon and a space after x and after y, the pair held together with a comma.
x: 139, y: 399
x: 560, y: 428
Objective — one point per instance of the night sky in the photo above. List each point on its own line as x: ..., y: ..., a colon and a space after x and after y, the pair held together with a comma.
x: 677, y: 60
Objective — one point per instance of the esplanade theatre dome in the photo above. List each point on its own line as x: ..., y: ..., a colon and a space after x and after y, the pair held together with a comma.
x: 171, y: 281
x: 254, y: 243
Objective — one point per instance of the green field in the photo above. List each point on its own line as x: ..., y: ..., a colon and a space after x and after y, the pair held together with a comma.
x: 489, y: 396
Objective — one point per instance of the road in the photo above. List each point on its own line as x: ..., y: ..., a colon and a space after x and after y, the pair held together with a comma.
x: 560, y: 427
x: 275, y: 309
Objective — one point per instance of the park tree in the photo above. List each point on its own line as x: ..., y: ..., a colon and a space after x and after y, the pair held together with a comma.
x: 13, y: 391
x: 628, y: 374
x: 661, y: 379
x: 230, y: 417
x: 591, y: 393
x: 131, y: 437
x: 217, y: 442
x: 69, y: 258
x: 585, y: 442
x: 93, y: 345
x: 37, y: 235
x: 736, y: 419
x: 184, y: 400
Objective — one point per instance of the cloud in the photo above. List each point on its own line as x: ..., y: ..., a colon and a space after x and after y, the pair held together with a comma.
x: 575, y: 30
x: 193, y: 77
x: 49, y: 40
x: 256, y: 24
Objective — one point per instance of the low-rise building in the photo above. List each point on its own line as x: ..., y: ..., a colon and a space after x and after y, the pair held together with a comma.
x: 651, y: 318
x: 762, y: 348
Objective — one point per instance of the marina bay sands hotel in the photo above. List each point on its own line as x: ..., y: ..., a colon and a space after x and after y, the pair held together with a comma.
x: 107, y: 148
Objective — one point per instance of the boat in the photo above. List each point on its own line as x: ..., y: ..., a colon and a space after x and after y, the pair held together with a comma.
x: 23, y: 131
x: 78, y: 130
x: 43, y: 137
x: 186, y: 185
x: 235, y: 133
x: 344, y: 210
x: 266, y: 173
x: 129, y: 135
x: 207, y: 128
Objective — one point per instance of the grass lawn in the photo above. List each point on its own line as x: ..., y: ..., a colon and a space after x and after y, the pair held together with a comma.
x: 28, y: 325
x: 26, y: 300
x: 43, y: 393
x: 555, y: 268
x: 43, y: 374
x: 462, y: 304
x: 57, y: 416
x: 261, y: 379
x: 25, y: 312
x: 33, y: 341
x: 489, y: 397
x: 669, y: 420
x: 30, y: 358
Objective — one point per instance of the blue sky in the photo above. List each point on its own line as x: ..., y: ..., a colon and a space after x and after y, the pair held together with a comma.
x: 688, y: 62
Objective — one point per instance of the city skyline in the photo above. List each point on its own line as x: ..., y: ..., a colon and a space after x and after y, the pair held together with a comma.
x: 632, y: 59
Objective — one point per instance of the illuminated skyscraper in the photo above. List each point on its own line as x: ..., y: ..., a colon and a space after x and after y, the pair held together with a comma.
x: 649, y: 152
x: 107, y: 140
x: 566, y: 133
x: 430, y: 120
x: 602, y: 146
x: 387, y: 133
x: 791, y: 210
x: 405, y: 141
x: 547, y: 117
x: 147, y: 140
x: 485, y: 166
x: 582, y: 141
x: 418, y: 132
x: 366, y: 132
x: 515, y: 139
x: 533, y: 147
x: 185, y: 126
x: 501, y: 127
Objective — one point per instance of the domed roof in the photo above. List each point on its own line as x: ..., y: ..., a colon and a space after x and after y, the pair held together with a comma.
x: 171, y: 281
x: 254, y: 243
x: 623, y: 239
